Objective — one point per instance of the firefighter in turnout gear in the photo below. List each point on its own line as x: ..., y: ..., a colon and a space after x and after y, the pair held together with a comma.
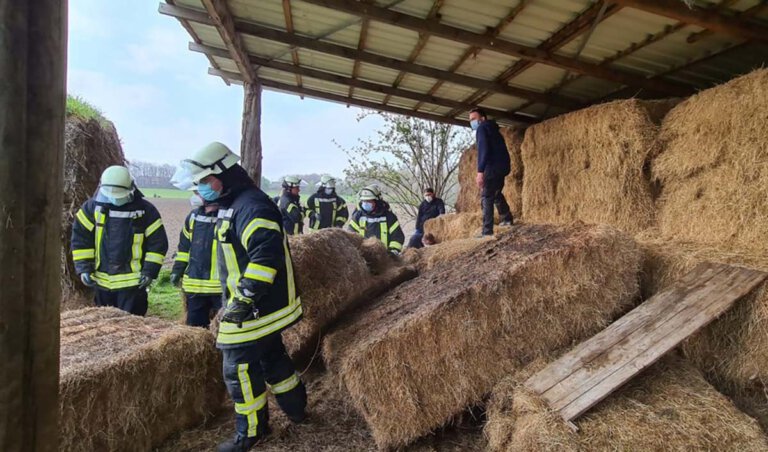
x: 325, y: 208
x: 256, y: 273
x: 290, y: 206
x: 373, y: 218
x: 118, y: 243
x: 195, y: 266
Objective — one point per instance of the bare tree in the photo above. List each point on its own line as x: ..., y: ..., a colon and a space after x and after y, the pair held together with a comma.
x: 409, y: 155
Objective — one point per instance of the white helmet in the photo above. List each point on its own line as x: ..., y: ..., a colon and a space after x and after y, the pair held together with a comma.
x: 327, y: 182
x: 116, y: 183
x: 214, y: 158
x: 291, y: 182
x: 370, y: 193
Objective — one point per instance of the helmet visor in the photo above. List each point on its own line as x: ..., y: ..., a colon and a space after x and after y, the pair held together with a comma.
x: 183, y: 177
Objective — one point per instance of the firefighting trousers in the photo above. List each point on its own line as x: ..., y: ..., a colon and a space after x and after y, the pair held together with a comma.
x: 133, y: 300
x: 200, y: 307
x: 250, y: 371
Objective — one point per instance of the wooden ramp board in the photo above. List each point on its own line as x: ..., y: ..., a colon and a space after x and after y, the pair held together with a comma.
x: 595, y: 368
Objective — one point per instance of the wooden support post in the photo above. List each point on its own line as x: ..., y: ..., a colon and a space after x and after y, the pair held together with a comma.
x: 32, y: 103
x: 250, y: 146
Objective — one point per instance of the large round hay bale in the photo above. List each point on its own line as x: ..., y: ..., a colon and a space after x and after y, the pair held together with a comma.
x: 91, y: 146
x: 714, y: 166
x: 590, y: 165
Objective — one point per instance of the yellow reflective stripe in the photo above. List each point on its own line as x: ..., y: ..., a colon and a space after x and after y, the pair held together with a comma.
x: 383, y: 233
x: 157, y: 258
x: 83, y: 218
x: 292, y: 298
x: 290, y: 208
x: 267, y: 320
x: 206, y: 286
x: 258, y: 404
x: 260, y: 273
x: 153, y: 227
x: 215, y: 260
x: 355, y: 226
x: 87, y: 253
x: 394, y: 226
x: 137, y: 250
x: 100, y: 219
x: 255, y: 224
x: 247, y: 408
x: 396, y: 246
x: 182, y: 256
x: 233, y: 271
x: 285, y: 385
x: 233, y: 337
x: 295, y: 228
x: 120, y: 281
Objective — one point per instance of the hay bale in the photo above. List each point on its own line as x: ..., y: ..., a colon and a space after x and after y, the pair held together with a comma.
x: 90, y: 147
x: 589, y: 165
x: 436, y: 344
x: 376, y: 256
x: 469, y: 195
x: 733, y: 350
x: 453, y: 226
x: 129, y: 382
x: 669, y: 407
x: 714, y: 167
x: 426, y: 258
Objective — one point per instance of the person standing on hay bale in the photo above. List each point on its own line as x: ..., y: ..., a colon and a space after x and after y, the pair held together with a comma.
x: 431, y: 207
x: 256, y: 274
x: 194, y: 268
x: 325, y: 208
x: 374, y: 218
x: 290, y: 206
x: 119, y: 243
x: 493, y: 165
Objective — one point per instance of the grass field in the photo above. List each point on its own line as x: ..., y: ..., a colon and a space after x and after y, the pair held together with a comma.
x: 164, y: 299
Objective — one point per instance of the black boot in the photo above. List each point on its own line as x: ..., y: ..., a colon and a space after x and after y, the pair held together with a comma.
x: 239, y: 444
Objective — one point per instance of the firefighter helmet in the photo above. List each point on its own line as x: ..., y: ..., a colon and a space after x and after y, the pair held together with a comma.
x: 370, y: 193
x: 214, y: 158
x: 291, y: 182
x: 116, y: 182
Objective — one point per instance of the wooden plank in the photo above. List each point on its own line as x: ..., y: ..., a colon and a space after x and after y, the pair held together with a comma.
x: 749, y: 13
x: 222, y: 18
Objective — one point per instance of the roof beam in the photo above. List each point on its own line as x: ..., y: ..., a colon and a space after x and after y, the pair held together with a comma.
x: 372, y: 58
x: 222, y: 19
x: 747, y: 14
x: 706, y: 18
x: 289, y: 26
x: 360, y: 47
x: 356, y: 83
x: 341, y: 99
x: 483, y: 41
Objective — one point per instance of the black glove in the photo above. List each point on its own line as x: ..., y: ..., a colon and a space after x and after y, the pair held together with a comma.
x: 176, y: 279
x: 240, y: 309
x: 145, y: 281
x: 87, y: 280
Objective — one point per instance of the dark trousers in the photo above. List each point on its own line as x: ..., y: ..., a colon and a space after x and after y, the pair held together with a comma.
x: 249, y: 371
x: 415, y: 241
x: 491, y: 195
x: 133, y: 300
x: 199, y: 307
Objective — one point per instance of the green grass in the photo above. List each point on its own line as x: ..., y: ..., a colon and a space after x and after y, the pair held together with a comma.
x: 164, y: 299
x: 166, y: 193
x: 77, y: 106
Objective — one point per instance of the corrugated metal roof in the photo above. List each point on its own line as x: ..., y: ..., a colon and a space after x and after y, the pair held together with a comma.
x: 624, y: 32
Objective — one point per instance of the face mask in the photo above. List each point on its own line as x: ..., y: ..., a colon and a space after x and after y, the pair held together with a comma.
x: 328, y: 191
x: 429, y: 198
x: 196, y: 201
x: 118, y: 201
x: 208, y: 193
x: 367, y: 206
x: 474, y: 124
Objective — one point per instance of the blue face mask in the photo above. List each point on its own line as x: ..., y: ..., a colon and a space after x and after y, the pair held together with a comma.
x: 474, y: 124
x: 367, y: 206
x: 119, y: 201
x: 208, y: 193
x: 328, y: 191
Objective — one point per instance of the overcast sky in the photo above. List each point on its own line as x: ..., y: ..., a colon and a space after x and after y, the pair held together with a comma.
x: 133, y: 64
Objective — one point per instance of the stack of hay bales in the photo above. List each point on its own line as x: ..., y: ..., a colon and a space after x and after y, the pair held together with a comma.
x: 668, y: 407
x: 90, y: 147
x: 469, y: 194
x: 426, y: 258
x: 128, y: 382
x: 336, y: 271
x: 435, y: 345
x: 454, y: 226
x: 590, y: 165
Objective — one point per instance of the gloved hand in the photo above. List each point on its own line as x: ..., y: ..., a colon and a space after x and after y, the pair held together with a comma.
x: 240, y: 309
x: 176, y: 279
x: 145, y: 281
x: 87, y: 280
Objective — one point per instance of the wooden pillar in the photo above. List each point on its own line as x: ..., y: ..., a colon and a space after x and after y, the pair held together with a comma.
x: 250, y: 145
x: 32, y: 103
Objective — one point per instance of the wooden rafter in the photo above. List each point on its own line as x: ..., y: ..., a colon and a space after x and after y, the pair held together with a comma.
x: 703, y: 17
x: 288, y: 13
x: 340, y: 99
x: 271, y: 34
x: 222, y: 19
x: 484, y: 41
x: 360, y: 47
x: 354, y: 83
x: 747, y: 14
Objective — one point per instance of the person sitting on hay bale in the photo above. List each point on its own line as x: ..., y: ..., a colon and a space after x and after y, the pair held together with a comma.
x: 193, y: 268
x: 119, y: 243
x: 257, y: 277
x: 326, y: 209
x: 374, y: 218
x: 290, y: 206
x: 431, y: 207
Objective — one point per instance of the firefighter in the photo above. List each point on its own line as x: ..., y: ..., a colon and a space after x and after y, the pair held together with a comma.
x: 195, y: 266
x: 118, y: 243
x: 257, y: 278
x: 373, y: 218
x: 290, y: 206
x: 325, y: 208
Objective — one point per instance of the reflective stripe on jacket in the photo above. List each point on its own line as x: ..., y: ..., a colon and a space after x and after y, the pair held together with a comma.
x: 293, y: 218
x: 381, y: 224
x: 197, y: 257
x: 326, y: 211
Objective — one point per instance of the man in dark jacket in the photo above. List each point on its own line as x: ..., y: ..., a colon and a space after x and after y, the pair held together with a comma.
x: 374, y: 218
x: 257, y: 278
x: 431, y: 207
x: 493, y: 165
x: 326, y: 209
x: 290, y: 206
x: 119, y: 243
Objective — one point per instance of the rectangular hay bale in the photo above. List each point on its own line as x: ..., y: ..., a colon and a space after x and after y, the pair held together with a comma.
x: 127, y: 382
x: 436, y: 344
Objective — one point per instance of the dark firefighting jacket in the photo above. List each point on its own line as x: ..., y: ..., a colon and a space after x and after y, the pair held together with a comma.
x: 293, y: 218
x: 381, y: 224
x: 116, y: 245
x: 196, y: 257
x: 326, y: 211
x: 253, y: 247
